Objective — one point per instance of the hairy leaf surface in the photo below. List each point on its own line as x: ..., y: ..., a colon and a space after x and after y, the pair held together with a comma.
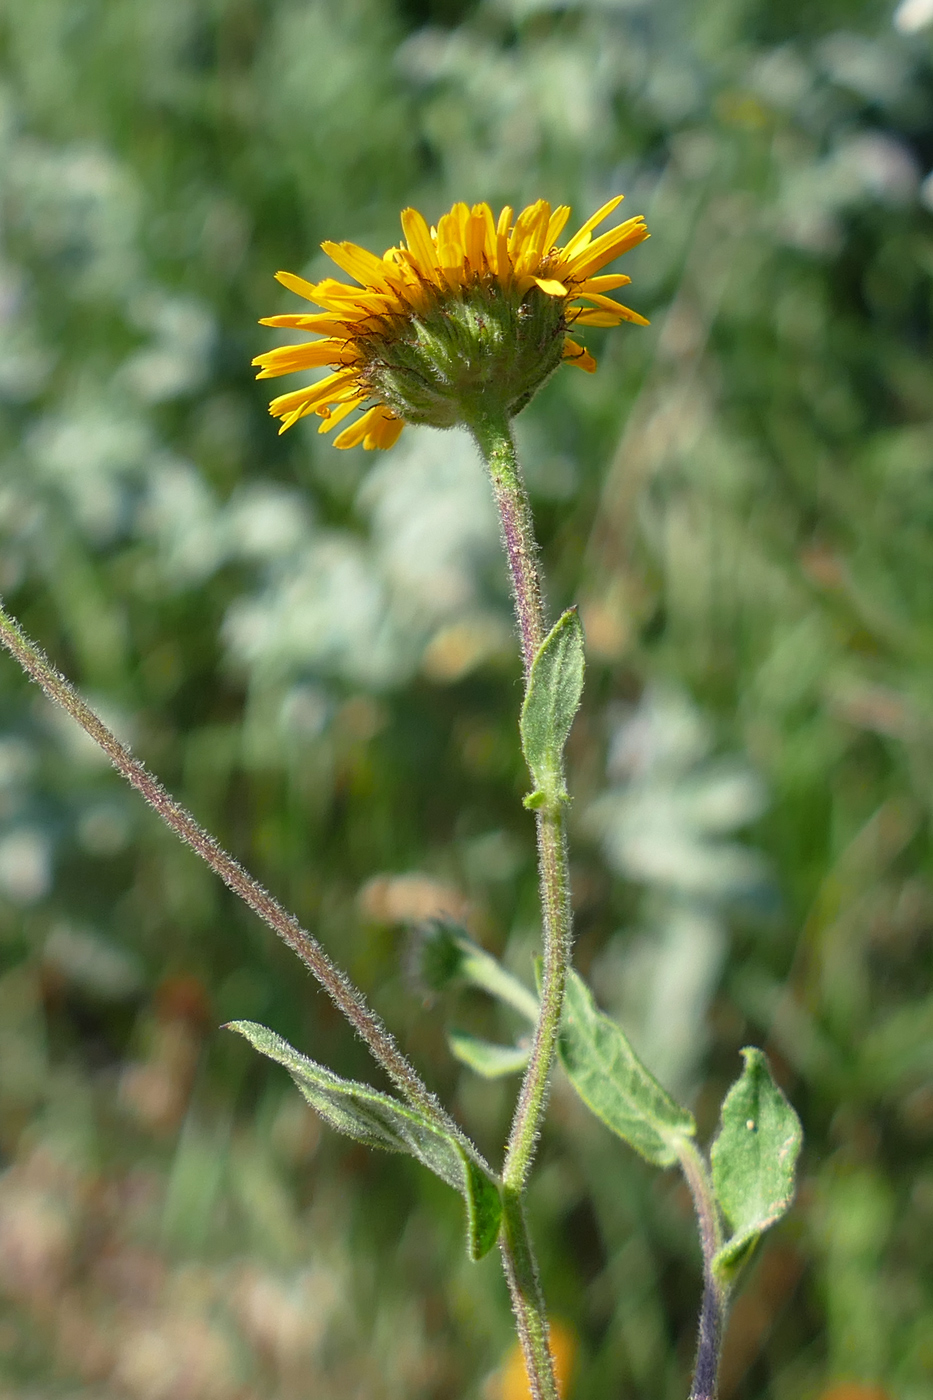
x: 551, y: 701
x: 613, y: 1082
x: 754, y: 1158
x: 376, y: 1119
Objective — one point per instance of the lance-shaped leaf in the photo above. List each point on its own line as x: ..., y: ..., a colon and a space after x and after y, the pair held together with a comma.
x: 753, y: 1159
x: 551, y: 701
x: 378, y: 1120
x: 613, y: 1082
x: 485, y: 1058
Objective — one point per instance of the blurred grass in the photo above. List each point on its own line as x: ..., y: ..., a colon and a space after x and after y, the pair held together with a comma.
x: 313, y: 649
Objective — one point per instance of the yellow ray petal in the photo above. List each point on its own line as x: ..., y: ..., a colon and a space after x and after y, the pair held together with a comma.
x: 551, y: 286
x: 529, y: 258
x: 556, y: 225
x: 537, y: 244
x: 286, y: 359
x: 597, y: 299
x: 627, y: 314
x: 452, y: 266
x: 294, y: 283
x: 340, y: 291
x: 581, y: 238
x: 450, y: 250
x: 318, y: 322
x: 528, y: 234
x: 459, y: 220
x: 420, y: 243
x: 578, y: 355
x: 352, y: 303
x: 292, y: 418
x: 351, y: 390
x: 526, y: 220
x: 476, y: 238
x: 385, y: 431
x: 602, y: 284
x: 328, y: 345
x: 503, y: 261
x: 336, y: 415
x: 449, y: 255
x: 614, y: 308
x: 358, y: 305
x: 324, y: 390
x: 412, y: 291
x: 354, y: 435
x: 489, y: 234
x: 589, y: 317
x: 607, y: 247
x: 359, y: 262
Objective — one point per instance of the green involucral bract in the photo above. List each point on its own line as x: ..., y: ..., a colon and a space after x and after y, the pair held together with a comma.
x: 380, y: 1121
x: 613, y: 1082
x: 754, y: 1159
x: 487, y: 349
x: 555, y: 686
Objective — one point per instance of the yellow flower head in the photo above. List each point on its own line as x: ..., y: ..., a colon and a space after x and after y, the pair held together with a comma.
x: 472, y: 314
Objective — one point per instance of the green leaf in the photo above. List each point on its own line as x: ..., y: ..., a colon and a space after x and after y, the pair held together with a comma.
x: 486, y: 1058
x: 753, y: 1159
x: 613, y: 1082
x: 380, y: 1121
x: 551, y: 701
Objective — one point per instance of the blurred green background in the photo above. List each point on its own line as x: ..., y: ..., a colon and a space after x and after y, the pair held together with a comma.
x: 314, y: 650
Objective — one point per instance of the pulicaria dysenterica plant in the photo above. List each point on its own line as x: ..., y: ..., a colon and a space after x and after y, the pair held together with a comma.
x: 460, y: 325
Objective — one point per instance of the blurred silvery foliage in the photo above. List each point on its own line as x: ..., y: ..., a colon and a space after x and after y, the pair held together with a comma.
x: 662, y: 823
x: 364, y: 610
x: 25, y: 873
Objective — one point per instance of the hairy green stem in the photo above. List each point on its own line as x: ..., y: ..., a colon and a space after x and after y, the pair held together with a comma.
x: 715, y: 1296
x: 521, y: 1272
x: 554, y: 879
x: 494, y: 439
x: 335, y: 982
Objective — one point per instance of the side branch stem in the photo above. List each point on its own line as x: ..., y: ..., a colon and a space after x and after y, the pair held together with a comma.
x: 335, y: 982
